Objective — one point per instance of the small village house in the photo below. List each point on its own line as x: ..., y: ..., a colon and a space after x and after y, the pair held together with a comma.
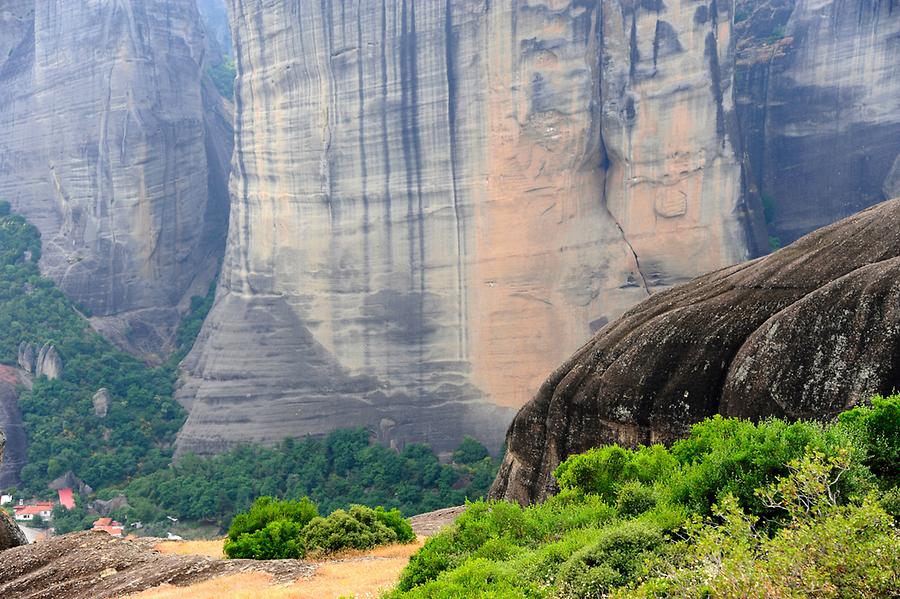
x: 108, y: 525
x: 27, y: 513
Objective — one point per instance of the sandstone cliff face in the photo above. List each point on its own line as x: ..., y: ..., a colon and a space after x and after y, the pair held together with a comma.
x: 818, y: 93
x: 416, y: 180
x: 105, y: 145
x: 434, y: 202
x: 10, y: 533
x: 15, y: 453
x: 804, y: 333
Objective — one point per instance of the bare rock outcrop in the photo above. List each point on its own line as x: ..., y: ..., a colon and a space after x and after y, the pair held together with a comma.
x: 48, y: 362
x: 93, y: 565
x: 100, y: 401
x: 818, y: 95
x: 10, y: 533
x: 804, y: 333
x: 68, y: 480
x: 27, y: 357
x: 15, y: 455
x: 106, y: 146
x: 415, y: 179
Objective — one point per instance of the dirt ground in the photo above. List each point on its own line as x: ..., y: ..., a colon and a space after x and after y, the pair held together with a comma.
x: 353, y: 574
x: 95, y: 565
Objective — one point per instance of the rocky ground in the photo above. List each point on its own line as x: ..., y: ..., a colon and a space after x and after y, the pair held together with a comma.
x: 96, y: 565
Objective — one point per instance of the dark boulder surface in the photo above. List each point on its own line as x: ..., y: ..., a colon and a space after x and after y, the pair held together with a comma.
x: 803, y: 333
x: 10, y: 533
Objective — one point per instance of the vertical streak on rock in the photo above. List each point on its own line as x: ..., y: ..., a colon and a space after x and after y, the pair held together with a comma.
x: 450, y: 44
x: 385, y: 143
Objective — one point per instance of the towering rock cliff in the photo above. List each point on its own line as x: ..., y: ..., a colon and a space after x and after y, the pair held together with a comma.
x: 416, y: 180
x: 218, y: 29
x: 818, y: 93
x: 108, y: 145
x: 435, y: 201
x: 10, y: 533
x: 804, y: 333
x: 15, y: 454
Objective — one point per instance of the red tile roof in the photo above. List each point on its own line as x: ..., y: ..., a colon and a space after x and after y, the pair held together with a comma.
x: 109, y: 525
x: 37, y: 508
x: 66, y: 498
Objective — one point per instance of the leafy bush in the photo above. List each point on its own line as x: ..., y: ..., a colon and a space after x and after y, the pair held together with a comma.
x: 395, y: 521
x: 634, y: 498
x: 618, y: 555
x: 278, y: 539
x: 266, y: 510
x: 748, y: 500
x: 276, y: 529
x: 824, y: 550
x: 878, y: 428
x: 357, y: 528
x: 469, y: 451
x: 222, y: 76
x: 504, y: 527
x: 595, y: 471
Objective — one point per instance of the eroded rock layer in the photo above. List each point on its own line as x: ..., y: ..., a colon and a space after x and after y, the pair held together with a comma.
x: 107, y: 145
x: 436, y: 201
x: 804, y: 333
x: 414, y: 180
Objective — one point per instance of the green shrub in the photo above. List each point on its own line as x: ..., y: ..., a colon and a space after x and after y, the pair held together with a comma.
x: 878, y: 428
x: 595, y: 471
x: 748, y: 499
x: 358, y: 528
x: 727, y: 456
x: 279, y: 539
x: 275, y: 529
x: 634, y: 498
x: 341, y: 530
x: 616, y: 557
x: 266, y: 510
x: 478, y: 577
x: 823, y: 550
x: 394, y: 520
x: 890, y: 502
x: 469, y: 451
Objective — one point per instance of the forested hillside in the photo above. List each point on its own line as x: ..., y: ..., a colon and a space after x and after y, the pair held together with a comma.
x: 128, y: 450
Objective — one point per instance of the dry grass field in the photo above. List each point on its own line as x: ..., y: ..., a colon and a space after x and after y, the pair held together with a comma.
x: 355, y: 574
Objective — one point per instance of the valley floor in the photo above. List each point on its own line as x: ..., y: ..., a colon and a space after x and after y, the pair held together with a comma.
x: 95, y: 565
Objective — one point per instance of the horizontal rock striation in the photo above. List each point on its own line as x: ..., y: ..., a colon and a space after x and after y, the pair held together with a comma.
x: 106, y: 146
x: 415, y: 180
x: 804, y: 333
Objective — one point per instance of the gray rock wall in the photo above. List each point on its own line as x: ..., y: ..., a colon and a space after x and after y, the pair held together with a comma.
x: 106, y: 146
x: 15, y: 454
x: 433, y: 202
x: 818, y: 85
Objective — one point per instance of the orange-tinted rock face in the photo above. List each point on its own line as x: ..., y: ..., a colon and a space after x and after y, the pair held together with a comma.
x: 435, y: 202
